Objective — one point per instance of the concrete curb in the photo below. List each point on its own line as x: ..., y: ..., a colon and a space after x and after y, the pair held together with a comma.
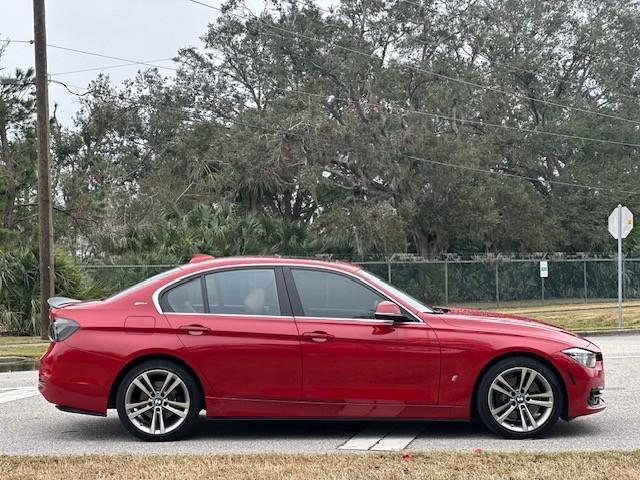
x: 612, y: 331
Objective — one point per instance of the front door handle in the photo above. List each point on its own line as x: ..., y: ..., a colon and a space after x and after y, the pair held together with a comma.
x: 194, y: 329
x: 318, y: 337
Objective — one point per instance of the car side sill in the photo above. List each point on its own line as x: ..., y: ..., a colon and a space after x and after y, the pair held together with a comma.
x: 62, y: 408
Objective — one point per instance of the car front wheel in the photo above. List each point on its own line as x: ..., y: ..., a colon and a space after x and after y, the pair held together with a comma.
x: 158, y: 401
x: 519, y: 397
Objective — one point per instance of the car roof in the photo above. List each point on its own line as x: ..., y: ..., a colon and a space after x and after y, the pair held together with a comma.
x: 238, y: 261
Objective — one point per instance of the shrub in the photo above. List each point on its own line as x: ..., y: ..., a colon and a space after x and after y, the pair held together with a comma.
x: 20, y: 290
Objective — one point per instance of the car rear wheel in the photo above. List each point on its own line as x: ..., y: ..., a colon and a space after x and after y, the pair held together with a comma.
x: 519, y: 397
x: 158, y: 400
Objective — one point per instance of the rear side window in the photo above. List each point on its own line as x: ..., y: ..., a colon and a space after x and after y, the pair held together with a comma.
x: 185, y: 298
x: 243, y: 292
x: 329, y: 295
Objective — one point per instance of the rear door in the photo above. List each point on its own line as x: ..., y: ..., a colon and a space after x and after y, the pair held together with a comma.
x: 350, y: 356
x: 238, y: 328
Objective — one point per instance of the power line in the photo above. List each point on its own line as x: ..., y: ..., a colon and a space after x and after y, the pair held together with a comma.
x: 108, y: 67
x: 94, y: 54
x: 66, y: 86
x: 85, y: 52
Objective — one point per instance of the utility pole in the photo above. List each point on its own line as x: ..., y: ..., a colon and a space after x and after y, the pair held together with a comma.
x: 45, y: 215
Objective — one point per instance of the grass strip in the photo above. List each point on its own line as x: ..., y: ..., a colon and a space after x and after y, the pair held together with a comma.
x: 390, y: 466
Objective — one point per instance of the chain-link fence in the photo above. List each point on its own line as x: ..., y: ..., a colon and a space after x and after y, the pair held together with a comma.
x: 446, y: 282
x: 493, y: 281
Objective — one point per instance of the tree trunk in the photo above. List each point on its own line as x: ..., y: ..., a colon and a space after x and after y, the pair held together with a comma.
x: 10, y: 175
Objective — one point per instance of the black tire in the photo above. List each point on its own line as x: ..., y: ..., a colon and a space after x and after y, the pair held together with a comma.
x: 187, y: 393
x: 509, y: 368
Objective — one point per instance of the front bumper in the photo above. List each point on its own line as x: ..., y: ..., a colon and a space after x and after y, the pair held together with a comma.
x: 584, y: 386
x: 75, y: 379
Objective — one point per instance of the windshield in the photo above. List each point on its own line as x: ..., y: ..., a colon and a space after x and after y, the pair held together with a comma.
x: 142, y: 284
x: 405, y: 297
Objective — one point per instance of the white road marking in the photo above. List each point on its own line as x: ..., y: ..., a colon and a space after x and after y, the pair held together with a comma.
x: 398, y: 439
x: 382, y: 438
x: 366, y: 438
x: 17, y: 394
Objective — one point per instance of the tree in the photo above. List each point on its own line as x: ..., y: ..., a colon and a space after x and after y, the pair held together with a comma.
x: 17, y: 110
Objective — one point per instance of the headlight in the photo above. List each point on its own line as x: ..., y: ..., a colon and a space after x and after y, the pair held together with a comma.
x: 62, y: 328
x: 582, y: 356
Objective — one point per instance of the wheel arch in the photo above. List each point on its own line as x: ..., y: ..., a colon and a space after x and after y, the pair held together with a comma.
x: 111, y: 403
x: 513, y: 354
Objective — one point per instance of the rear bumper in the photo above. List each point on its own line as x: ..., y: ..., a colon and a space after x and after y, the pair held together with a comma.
x: 76, y: 379
x: 583, y: 386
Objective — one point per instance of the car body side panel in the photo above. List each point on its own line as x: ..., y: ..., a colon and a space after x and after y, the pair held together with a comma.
x: 370, y: 362
x: 244, y: 357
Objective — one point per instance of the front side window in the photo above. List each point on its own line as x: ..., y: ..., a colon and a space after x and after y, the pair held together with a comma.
x: 185, y: 298
x: 243, y: 292
x: 330, y: 295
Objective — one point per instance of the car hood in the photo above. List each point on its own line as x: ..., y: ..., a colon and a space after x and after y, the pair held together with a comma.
x: 503, y: 323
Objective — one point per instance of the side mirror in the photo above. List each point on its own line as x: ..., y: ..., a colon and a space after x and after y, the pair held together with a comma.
x: 386, y: 310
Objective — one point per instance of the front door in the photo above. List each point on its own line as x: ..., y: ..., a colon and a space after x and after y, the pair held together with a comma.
x: 348, y: 355
x: 237, y: 326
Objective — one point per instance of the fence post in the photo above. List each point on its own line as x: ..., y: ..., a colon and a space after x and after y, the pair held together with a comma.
x: 446, y: 282
x: 584, y: 275
x: 497, y: 286
x: 389, y: 271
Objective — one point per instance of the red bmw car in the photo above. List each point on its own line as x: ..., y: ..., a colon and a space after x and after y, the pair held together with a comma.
x: 256, y: 337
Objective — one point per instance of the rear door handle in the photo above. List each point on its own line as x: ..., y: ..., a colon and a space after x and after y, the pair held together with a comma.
x: 318, y: 337
x: 194, y: 329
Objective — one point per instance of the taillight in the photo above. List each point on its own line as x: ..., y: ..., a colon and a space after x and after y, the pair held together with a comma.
x: 61, y: 329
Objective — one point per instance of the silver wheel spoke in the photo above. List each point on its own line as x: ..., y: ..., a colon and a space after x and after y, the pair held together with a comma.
x: 523, y: 376
x: 502, y: 386
x: 166, y: 382
x: 500, y: 409
x: 161, y: 420
x: 541, y: 403
x: 146, y: 391
x: 131, y: 406
x: 172, y: 387
x: 527, y: 385
x: 137, y: 413
x: 177, y: 404
x: 532, y: 420
x: 152, y: 428
x: 523, y: 420
x: 540, y: 395
x: 503, y: 417
x: 180, y: 413
x: 147, y: 382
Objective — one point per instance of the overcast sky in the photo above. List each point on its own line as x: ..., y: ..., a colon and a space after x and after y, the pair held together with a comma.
x: 138, y: 30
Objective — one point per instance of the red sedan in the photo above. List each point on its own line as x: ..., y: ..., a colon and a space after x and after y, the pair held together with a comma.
x: 272, y: 337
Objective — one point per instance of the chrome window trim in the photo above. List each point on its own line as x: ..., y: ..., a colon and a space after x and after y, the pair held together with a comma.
x: 156, y: 294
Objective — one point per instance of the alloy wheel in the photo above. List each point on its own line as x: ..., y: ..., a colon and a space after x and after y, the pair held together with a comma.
x: 157, y: 401
x: 521, y: 399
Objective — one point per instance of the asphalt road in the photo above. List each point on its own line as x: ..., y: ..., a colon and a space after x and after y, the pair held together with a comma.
x: 30, y: 425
